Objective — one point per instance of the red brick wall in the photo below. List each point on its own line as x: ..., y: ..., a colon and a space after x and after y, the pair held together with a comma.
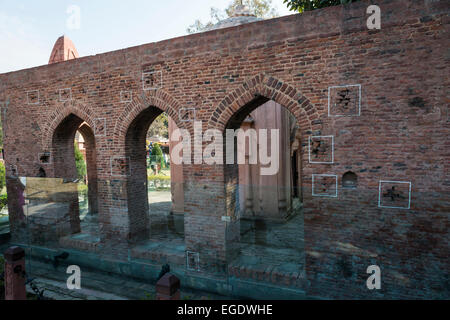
x: 401, y: 134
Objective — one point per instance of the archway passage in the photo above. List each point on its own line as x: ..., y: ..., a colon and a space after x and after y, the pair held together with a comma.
x: 78, y: 167
x: 267, y: 207
x: 155, y: 221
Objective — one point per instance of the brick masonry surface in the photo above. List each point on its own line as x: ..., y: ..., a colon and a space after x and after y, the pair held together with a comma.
x: 382, y: 95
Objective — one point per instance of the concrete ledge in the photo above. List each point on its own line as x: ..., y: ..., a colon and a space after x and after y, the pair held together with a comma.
x: 138, y: 269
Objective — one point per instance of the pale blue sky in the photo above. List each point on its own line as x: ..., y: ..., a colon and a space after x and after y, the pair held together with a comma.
x: 29, y: 29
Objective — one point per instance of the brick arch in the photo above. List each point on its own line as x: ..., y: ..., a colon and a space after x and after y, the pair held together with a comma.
x: 129, y: 138
x: 91, y: 165
x: 156, y: 98
x: 55, y: 118
x: 270, y: 88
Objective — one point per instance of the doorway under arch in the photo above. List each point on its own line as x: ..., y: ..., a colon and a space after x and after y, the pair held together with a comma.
x: 71, y: 135
x: 267, y: 209
x: 155, y: 195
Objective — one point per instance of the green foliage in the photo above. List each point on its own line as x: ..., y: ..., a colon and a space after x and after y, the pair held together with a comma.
x: 149, y: 296
x: 260, y: 8
x: 308, y: 5
x: 2, y: 176
x: 157, y: 155
x: 159, y: 182
x: 159, y: 127
x: 80, y: 163
x: 3, y: 200
x: 158, y: 177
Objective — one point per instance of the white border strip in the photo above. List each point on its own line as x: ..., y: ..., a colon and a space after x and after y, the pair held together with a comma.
x: 332, y: 149
x: 197, y: 260
x: 130, y: 93
x: 400, y: 182
x: 151, y: 88
x: 324, y: 195
x: 49, y: 157
x: 344, y: 115
x: 13, y: 167
x: 95, y: 127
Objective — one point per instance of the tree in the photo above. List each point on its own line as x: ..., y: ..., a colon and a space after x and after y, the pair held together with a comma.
x: 307, y: 5
x: 157, y: 156
x: 260, y: 8
x: 159, y: 127
x: 80, y: 163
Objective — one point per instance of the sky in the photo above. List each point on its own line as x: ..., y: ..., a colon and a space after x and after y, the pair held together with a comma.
x: 29, y: 29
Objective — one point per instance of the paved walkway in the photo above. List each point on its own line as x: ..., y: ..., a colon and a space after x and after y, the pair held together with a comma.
x: 99, y: 286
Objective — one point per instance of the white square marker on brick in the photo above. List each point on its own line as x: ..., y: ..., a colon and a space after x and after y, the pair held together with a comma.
x: 100, y: 127
x: 344, y: 101
x: 325, y: 185
x: 13, y: 170
x: 33, y: 97
x: 120, y: 166
x: 192, y: 261
x: 126, y: 96
x: 45, y: 158
x: 187, y: 114
x: 152, y: 80
x: 323, y: 147
x: 394, y: 194
x: 65, y: 94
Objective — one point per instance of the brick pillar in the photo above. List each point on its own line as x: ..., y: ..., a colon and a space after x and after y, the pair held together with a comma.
x: 14, y: 270
x: 168, y: 288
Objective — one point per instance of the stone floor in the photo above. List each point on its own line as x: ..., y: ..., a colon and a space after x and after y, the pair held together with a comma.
x: 270, y: 250
x: 166, y: 230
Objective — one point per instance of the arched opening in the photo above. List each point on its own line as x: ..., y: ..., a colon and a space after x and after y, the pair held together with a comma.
x: 74, y: 156
x: 266, y: 207
x: 154, y: 186
x: 349, y: 180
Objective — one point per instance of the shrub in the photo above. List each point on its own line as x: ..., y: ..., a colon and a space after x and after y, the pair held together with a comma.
x: 80, y: 163
x: 159, y: 181
x: 3, y: 200
x: 157, y: 155
x: 2, y: 176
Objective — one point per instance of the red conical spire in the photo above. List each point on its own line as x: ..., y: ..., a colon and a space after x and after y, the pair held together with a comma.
x: 63, y: 50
